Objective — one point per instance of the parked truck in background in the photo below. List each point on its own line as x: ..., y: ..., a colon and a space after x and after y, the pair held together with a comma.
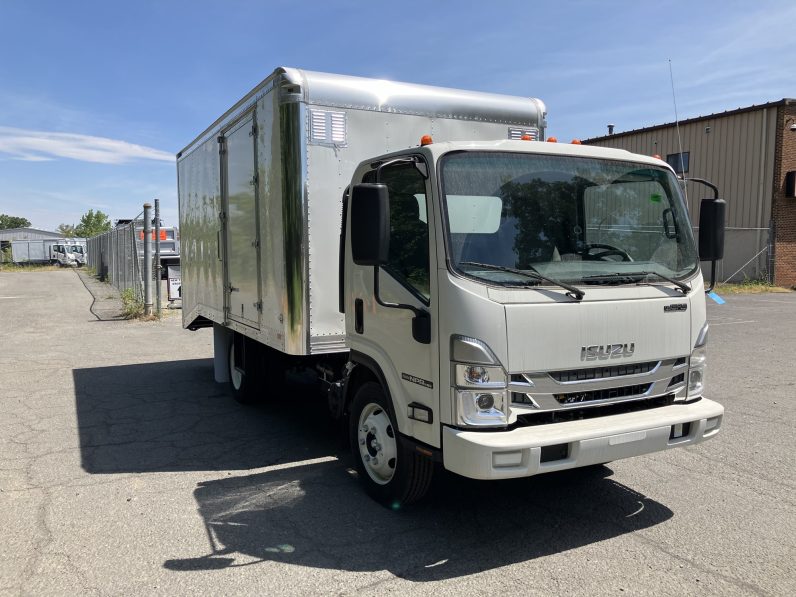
x: 169, y: 247
x: 469, y: 295
x: 66, y: 252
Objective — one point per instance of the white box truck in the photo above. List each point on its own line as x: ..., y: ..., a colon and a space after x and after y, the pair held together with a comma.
x: 471, y: 296
x: 66, y: 252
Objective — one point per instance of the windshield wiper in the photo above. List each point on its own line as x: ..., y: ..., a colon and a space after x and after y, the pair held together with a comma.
x: 575, y: 293
x: 618, y: 276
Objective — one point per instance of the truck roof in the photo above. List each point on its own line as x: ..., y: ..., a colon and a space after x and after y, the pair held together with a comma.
x: 380, y: 95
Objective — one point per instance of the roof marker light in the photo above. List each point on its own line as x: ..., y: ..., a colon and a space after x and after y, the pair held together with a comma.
x: 576, y: 142
x: 656, y: 156
x: 526, y: 138
x: 426, y: 140
x: 552, y: 140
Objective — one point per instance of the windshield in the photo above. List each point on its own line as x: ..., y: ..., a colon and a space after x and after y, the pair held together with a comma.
x: 76, y: 249
x: 577, y: 220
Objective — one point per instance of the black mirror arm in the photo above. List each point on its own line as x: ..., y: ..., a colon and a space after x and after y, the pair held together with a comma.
x: 710, y: 185
x: 709, y: 289
x: 419, y: 313
x: 377, y: 296
x: 707, y: 183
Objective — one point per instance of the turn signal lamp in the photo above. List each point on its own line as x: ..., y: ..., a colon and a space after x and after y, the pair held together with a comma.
x: 426, y: 140
x: 552, y: 140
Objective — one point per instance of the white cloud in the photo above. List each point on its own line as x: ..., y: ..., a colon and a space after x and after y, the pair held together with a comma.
x: 29, y: 145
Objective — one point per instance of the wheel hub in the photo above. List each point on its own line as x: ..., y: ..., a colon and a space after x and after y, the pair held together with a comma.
x: 377, y: 446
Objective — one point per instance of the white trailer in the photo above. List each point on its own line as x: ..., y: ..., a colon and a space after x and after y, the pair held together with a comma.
x: 470, y: 295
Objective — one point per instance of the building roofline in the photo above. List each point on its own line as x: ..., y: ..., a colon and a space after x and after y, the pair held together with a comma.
x: 783, y: 102
x: 28, y: 228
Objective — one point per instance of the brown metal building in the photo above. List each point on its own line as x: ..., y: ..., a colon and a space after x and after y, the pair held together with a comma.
x: 748, y: 154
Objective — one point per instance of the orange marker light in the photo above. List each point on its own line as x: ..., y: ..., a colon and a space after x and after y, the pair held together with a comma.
x: 426, y: 140
x: 552, y: 140
x: 656, y: 156
x: 526, y: 138
x: 575, y: 142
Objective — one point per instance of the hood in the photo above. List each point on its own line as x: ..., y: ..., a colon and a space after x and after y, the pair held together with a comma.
x: 544, y: 337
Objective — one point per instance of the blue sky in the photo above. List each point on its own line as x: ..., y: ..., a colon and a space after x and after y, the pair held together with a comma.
x: 97, y: 97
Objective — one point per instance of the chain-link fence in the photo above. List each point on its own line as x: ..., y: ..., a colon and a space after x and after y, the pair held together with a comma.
x: 748, y: 255
x: 116, y: 258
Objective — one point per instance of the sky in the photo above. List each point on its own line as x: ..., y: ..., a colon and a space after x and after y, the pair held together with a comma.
x: 97, y: 97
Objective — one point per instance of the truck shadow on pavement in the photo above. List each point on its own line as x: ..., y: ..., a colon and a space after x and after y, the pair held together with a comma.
x: 309, y: 510
x: 316, y: 515
x: 171, y: 416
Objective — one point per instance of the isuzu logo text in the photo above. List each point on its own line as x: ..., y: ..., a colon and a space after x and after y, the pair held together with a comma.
x: 606, y: 351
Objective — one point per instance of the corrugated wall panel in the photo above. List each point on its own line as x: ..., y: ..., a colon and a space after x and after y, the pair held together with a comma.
x: 737, y: 155
x: 729, y: 155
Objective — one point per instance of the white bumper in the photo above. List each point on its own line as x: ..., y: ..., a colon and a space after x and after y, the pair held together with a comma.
x: 518, y: 453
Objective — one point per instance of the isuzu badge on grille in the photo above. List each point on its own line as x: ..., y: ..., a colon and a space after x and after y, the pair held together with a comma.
x: 606, y: 351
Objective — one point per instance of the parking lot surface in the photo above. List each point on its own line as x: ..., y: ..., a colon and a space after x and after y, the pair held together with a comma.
x: 125, y: 470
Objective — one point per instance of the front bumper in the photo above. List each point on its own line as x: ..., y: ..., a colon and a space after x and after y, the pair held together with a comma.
x: 518, y: 453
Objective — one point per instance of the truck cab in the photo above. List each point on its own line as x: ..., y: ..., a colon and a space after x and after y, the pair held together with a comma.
x: 518, y: 307
x: 61, y: 254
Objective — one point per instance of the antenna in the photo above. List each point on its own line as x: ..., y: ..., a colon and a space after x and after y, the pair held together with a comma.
x: 679, y: 139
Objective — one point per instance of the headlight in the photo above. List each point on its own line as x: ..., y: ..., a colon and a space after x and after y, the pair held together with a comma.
x: 697, y: 364
x: 480, y: 376
x: 480, y: 392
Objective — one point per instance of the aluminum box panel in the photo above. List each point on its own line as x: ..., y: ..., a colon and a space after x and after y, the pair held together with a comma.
x: 300, y: 183
x: 242, y: 237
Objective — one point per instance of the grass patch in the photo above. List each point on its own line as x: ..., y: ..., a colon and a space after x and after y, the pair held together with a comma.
x: 749, y: 287
x: 132, y: 307
x: 28, y: 267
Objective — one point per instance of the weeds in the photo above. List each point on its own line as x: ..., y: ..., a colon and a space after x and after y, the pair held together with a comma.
x: 749, y: 286
x: 132, y: 307
x: 28, y: 267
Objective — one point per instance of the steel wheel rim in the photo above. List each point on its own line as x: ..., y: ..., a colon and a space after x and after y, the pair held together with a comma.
x: 235, y: 376
x: 378, y: 449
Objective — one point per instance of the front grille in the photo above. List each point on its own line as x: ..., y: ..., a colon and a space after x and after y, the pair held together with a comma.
x: 577, y: 414
x: 606, y: 394
x: 602, y: 372
x: 677, y: 379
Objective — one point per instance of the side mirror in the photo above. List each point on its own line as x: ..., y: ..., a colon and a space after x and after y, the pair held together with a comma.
x: 712, y: 213
x: 370, y: 224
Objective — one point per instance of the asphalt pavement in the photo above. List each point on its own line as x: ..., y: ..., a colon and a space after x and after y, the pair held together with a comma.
x: 125, y: 470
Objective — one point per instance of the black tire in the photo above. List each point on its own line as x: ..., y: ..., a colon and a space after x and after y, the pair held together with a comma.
x: 242, y: 380
x: 412, y: 472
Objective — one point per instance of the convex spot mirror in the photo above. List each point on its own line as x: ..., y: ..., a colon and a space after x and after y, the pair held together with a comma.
x: 370, y: 224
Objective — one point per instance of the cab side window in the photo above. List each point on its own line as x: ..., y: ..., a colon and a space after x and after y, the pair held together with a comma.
x: 409, y: 237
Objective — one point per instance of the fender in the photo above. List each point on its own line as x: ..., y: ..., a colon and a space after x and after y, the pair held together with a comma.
x: 371, y: 366
x: 362, y: 360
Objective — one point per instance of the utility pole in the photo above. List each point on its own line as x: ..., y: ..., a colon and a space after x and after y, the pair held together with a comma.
x: 146, y: 275
x: 158, y: 267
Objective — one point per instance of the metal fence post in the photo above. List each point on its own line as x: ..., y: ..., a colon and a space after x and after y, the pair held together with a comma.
x: 146, y: 275
x: 157, y: 275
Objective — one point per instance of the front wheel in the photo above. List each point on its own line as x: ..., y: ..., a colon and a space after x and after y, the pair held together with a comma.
x: 391, y: 472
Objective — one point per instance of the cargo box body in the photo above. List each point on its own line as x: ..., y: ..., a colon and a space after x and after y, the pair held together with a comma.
x: 260, y: 193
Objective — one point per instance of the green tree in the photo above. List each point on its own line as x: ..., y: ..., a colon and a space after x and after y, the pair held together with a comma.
x: 68, y: 230
x: 7, y: 222
x: 93, y: 223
